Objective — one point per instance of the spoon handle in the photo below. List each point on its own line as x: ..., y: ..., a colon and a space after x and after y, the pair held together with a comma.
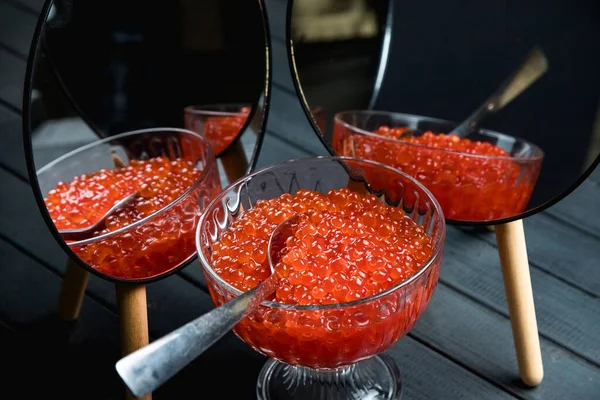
x: 87, y: 233
x: 534, y: 66
x: 144, y: 370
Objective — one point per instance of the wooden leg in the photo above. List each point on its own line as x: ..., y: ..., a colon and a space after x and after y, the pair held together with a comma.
x: 235, y: 162
x: 519, y: 294
x: 72, y: 291
x: 133, y: 318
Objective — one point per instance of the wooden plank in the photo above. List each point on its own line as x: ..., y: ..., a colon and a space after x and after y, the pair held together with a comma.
x: 13, y: 155
x: 276, y: 10
x: 275, y: 150
x: 470, y: 334
x: 565, y: 315
x: 8, y: 115
x: 286, y: 114
x: 33, y: 6
x: 561, y: 250
x: 578, y: 208
x: 16, y: 28
x: 12, y: 79
x: 57, y: 355
x: 426, y: 375
x: 288, y: 121
x: 595, y: 174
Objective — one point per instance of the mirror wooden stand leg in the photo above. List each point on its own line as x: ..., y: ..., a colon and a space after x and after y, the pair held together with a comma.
x: 133, y: 321
x: 519, y: 294
x: 131, y: 305
x: 72, y: 291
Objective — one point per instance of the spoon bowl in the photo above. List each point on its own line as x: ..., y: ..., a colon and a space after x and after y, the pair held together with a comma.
x: 88, y: 232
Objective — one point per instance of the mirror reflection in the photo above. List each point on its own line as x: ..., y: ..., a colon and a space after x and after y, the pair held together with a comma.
x: 138, y: 119
x: 441, y: 67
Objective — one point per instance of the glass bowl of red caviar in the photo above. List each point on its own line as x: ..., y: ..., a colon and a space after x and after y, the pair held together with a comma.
x: 361, y: 271
x: 219, y: 123
x: 175, y: 173
x: 485, y: 177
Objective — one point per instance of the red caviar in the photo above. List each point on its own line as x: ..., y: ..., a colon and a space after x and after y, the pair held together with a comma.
x: 347, y: 247
x: 145, y: 250
x: 222, y: 130
x: 472, y: 180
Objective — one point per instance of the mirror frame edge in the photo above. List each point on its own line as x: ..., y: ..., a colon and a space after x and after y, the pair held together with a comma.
x: 384, y: 54
x: 289, y: 44
x: 266, y: 91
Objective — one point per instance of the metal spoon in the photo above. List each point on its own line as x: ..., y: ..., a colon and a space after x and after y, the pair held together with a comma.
x: 88, y: 232
x: 146, y: 369
x: 533, y: 67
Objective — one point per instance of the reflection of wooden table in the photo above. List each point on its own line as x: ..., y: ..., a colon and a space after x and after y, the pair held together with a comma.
x: 462, y: 346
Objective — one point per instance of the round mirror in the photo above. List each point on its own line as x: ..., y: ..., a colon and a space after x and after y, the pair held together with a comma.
x: 437, y: 70
x: 140, y: 112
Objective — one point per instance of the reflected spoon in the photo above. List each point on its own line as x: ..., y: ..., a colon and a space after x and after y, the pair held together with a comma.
x: 88, y: 232
x: 532, y: 68
x: 146, y: 369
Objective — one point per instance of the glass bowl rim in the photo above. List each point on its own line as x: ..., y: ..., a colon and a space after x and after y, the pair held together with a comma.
x: 427, y: 265
x: 486, y: 132
x: 184, y: 194
x: 212, y: 109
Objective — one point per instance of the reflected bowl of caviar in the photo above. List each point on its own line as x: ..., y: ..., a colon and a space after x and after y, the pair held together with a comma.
x: 487, y: 176
x: 356, y: 275
x: 219, y: 123
x: 175, y: 173
x: 222, y: 123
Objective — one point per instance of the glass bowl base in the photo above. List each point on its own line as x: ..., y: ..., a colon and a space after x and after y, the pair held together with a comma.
x: 376, y: 378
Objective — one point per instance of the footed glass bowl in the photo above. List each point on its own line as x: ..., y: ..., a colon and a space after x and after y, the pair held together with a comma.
x: 328, y: 351
x: 469, y: 187
x: 160, y: 243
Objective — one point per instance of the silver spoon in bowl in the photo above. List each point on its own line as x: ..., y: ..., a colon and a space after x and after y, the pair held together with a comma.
x: 88, y: 232
x: 533, y: 67
x: 146, y: 369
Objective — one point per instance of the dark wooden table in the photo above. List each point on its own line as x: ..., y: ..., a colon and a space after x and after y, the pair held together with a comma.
x: 461, y: 348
